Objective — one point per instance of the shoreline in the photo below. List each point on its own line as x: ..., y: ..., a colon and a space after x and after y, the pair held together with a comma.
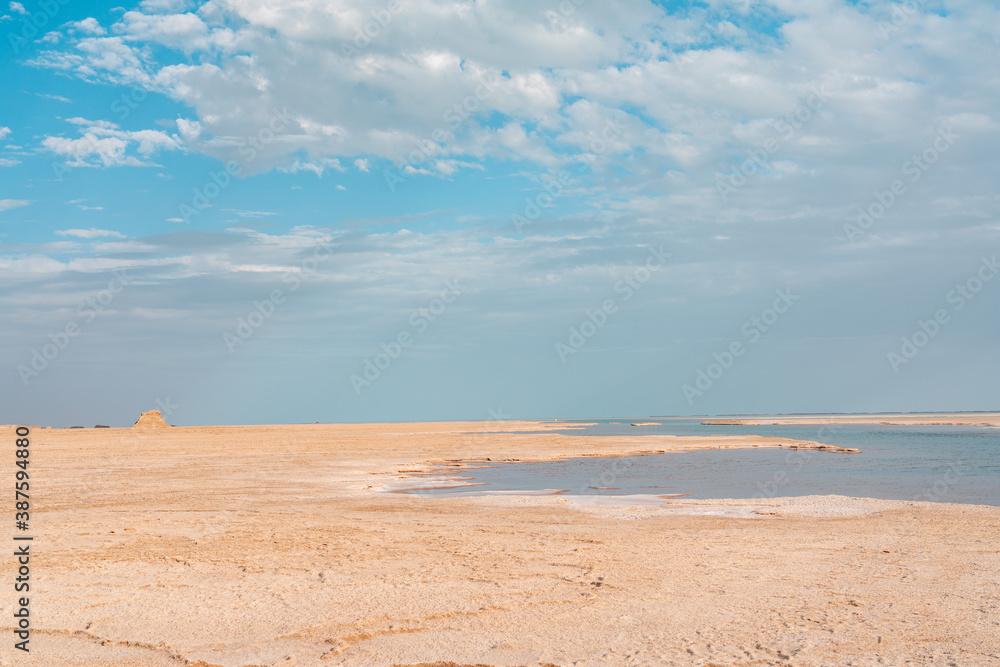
x: 232, y: 546
x: 436, y: 476
x: 433, y: 470
x: 989, y: 419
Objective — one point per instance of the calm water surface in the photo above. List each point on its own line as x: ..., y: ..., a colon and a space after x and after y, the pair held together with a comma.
x: 959, y: 464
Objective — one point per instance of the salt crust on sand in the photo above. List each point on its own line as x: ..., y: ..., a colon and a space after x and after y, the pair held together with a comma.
x: 269, y: 546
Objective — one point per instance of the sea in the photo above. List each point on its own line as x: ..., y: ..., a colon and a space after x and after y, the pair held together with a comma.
x: 955, y: 464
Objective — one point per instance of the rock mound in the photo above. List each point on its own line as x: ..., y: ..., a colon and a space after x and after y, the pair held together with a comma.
x: 151, y: 419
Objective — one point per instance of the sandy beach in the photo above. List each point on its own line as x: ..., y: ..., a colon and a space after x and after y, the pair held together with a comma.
x: 307, y: 305
x: 279, y: 545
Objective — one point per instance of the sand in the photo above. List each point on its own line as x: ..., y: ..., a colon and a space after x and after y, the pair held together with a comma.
x: 151, y: 419
x: 251, y: 546
x: 967, y: 419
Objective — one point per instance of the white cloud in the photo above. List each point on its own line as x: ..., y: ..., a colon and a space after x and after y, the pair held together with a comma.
x: 165, y: 6
x: 18, y: 8
x: 680, y: 121
x: 89, y: 26
x: 4, y: 131
x: 124, y: 247
x: 248, y: 214
x: 8, y: 162
x: 110, y: 151
x: 185, y: 32
x: 437, y: 90
x: 103, y: 144
x: 7, y: 204
x: 57, y: 98
x: 98, y: 58
x: 102, y: 124
x: 83, y: 207
x: 394, y: 92
x: 41, y: 264
x: 317, y: 167
x: 90, y: 233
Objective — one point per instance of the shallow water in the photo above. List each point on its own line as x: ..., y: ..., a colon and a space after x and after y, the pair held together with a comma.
x: 958, y: 464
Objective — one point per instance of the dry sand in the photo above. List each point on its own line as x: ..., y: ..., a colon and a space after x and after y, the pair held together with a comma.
x: 252, y: 546
x: 151, y: 419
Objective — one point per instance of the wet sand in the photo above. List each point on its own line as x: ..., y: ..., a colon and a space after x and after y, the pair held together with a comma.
x: 272, y: 545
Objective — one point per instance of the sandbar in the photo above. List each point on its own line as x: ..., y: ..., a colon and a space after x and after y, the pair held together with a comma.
x: 940, y: 419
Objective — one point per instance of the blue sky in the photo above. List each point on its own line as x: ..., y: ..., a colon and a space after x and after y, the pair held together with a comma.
x: 236, y: 211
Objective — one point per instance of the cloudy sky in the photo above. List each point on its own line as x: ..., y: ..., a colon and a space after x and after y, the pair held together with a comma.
x: 250, y: 211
